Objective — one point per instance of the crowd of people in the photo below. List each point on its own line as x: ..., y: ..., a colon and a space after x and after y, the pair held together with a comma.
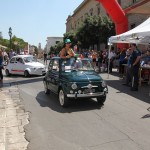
x: 127, y: 61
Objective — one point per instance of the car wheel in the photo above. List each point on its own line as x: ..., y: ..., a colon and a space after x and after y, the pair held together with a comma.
x: 101, y: 100
x: 46, y: 90
x: 7, y: 72
x: 26, y: 73
x: 63, y: 99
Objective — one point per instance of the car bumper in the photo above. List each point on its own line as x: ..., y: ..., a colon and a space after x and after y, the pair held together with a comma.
x: 87, y: 95
x: 38, y: 72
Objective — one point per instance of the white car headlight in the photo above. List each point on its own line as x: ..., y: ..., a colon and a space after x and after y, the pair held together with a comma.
x: 104, y: 84
x: 74, y: 86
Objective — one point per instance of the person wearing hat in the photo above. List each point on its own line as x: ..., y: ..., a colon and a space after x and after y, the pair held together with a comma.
x: 67, y: 51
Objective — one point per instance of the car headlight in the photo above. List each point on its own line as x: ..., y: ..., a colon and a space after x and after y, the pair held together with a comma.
x: 74, y: 86
x: 104, y: 84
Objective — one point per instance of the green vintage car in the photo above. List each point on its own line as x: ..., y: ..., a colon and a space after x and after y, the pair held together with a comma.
x: 74, y: 78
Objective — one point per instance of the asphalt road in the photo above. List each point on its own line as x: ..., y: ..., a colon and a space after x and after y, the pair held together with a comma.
x: 123, y: 123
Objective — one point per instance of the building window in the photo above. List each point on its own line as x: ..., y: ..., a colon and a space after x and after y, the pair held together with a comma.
x: 119, y: 1
x: 86, y: 15
x: 57, y: 42
x: 98, y: 10
x: 81, y: 18
x: 132, y: 26
x: 134, y: 1
x: 91, y: 11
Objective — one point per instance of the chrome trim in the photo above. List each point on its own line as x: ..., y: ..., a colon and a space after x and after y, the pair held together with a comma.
x: 86, y: 95
x: 93, y: 86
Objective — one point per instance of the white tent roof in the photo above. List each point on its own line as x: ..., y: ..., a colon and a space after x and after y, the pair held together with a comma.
x: 1, y: 46
x: 139, y: 35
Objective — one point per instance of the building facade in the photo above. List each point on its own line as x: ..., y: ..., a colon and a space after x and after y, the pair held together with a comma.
x: 136, y: 11
x: 52, y: 41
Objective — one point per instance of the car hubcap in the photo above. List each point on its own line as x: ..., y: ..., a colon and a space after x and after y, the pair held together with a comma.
x: 61, y: 97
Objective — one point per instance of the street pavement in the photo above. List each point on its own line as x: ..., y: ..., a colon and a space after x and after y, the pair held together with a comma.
x: 13, y: 118
x: 122, y: 124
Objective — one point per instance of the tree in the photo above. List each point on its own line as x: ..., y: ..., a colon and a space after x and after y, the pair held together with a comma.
x: 56, y: 49
x: 94, y: 30
x: 72, y: 36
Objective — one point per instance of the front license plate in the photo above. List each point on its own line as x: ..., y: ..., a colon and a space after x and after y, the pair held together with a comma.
x: 89, y: 90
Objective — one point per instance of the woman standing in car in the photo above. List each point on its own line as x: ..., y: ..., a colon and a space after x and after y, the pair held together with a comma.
x: 67, y: 51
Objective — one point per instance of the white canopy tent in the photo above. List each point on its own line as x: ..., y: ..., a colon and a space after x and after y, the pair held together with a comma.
x: 138, y: 35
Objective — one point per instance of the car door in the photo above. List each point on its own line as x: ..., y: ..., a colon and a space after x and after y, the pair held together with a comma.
x: 19, y: 65
x: 11, y: 66
x: 53, y: 75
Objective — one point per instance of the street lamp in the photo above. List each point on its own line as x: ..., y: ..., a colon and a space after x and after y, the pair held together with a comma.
x: 10, y: 35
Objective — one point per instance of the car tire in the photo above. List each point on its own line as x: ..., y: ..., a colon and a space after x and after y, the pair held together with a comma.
x: 26, y: 73
x: 7, y: 72
x: 101, y: 100
x: 46, y: 90
x: 63, y: 100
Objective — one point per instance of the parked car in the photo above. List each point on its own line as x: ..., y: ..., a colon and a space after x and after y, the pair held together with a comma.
x: 74, y: 78
x: 25, y: 65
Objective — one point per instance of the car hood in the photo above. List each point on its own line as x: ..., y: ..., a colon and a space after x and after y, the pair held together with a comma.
x: 35, y: 64
x: 82, y: 76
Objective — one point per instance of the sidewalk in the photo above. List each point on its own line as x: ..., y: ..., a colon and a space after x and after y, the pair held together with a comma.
x: 12, y: 118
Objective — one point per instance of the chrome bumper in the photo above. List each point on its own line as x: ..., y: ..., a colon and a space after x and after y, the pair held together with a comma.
x: 86, y: 95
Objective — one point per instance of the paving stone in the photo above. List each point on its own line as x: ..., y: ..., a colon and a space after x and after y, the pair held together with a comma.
x: 18, y: 146
x: 2, y: 146
x: 12, y: 116
x: 16, y: 138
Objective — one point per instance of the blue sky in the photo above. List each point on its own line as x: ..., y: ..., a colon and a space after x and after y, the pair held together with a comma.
x: 35, y: 20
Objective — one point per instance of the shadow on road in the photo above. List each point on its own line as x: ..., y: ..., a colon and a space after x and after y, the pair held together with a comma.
x: 15, y: 79
x: 52, y: 102
x: 142, y: 94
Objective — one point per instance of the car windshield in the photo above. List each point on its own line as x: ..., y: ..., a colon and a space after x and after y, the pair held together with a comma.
x: 76, y: 64
x: 30, y: 59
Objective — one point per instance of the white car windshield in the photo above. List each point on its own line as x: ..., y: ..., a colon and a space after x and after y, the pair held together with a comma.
x: 77, y: 64
x: 30, y: 59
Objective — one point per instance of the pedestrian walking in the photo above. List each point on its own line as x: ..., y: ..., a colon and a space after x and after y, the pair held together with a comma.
x: 45, y: 58
x: 1, y: 66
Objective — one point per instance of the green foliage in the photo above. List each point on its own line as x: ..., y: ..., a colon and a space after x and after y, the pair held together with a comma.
x: 16, y: 43
x: 72, y: 36
x: 56, y: 49
x: 94, y: 30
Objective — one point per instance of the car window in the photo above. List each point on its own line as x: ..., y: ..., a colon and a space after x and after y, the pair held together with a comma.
x: 30, y: 59
x: 19, y: 60
x: 50, y: 65
x: 12, y: 60
x: 76, y: 64
x: 55, y: 65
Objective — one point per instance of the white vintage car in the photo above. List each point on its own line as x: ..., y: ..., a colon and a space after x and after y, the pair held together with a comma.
x: 25, y: 65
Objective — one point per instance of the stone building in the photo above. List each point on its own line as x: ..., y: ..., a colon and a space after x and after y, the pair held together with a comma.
x: 136, y: 11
